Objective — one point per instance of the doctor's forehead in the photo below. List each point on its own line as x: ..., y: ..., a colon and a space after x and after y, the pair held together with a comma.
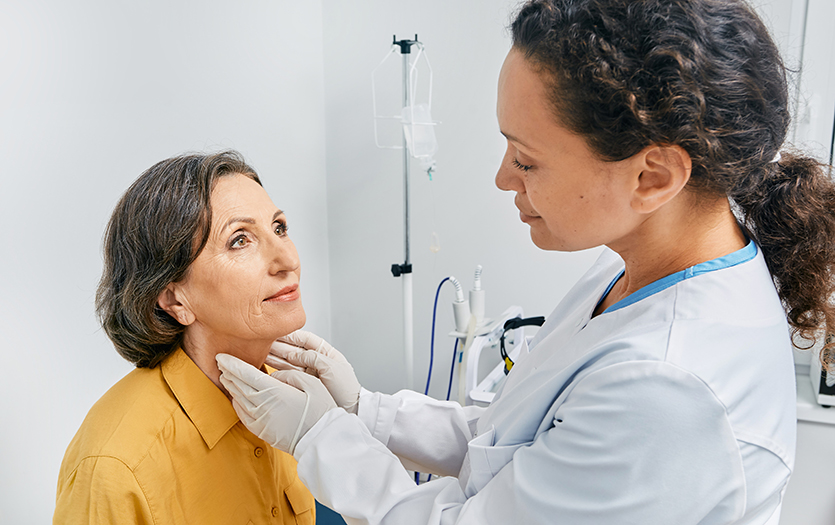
x: 523, y: 108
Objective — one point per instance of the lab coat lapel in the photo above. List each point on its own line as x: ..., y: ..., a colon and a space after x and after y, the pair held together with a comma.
x: 536, y: 381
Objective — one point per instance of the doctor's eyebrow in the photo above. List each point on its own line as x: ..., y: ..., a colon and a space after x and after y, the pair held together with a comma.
x: 510, y: 137
x: 250, y: 220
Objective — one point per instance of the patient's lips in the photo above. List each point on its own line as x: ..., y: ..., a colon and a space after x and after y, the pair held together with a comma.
x: 286, y: 294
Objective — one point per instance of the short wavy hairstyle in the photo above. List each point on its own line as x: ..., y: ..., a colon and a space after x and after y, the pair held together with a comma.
x: 157, y: 229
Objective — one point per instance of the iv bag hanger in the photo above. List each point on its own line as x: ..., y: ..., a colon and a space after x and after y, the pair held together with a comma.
x: 410, y: 83
x: 408, y: 135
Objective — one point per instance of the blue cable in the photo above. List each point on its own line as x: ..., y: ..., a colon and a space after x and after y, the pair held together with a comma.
x: 451, y: 375
x: 432, y: 338
x: 432, y: 360
x: 452, y: 368
x: 448, y: 392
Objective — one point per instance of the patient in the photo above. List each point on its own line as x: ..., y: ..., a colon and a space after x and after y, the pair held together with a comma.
x: 197, y: 261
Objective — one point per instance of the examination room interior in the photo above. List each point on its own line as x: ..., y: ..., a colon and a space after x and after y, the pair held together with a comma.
x: 94, y: 92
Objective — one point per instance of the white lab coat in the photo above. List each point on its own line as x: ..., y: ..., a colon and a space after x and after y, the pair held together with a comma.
x: 678, y: 408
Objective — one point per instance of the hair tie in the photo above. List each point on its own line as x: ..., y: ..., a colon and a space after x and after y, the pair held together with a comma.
x: 776, y: 158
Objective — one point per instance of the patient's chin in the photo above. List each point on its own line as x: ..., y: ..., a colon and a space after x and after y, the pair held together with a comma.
x: 291, y: 322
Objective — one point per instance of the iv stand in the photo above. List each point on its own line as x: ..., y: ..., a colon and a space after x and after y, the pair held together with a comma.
x: 405, y: 270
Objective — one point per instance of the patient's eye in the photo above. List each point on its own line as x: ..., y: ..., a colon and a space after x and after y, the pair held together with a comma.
x: 281, y: 228
x: 239, y: 241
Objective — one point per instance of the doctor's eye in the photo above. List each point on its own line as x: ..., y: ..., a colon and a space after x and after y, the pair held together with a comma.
x: 519, y: 165
x: 281, y: 228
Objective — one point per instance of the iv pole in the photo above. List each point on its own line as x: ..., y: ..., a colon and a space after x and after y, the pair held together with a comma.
x: 404, y: 270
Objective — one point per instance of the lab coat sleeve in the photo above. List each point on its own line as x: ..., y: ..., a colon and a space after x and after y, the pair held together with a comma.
x: 426, y: 434
x: 637, y: 442
x: 101, y: 490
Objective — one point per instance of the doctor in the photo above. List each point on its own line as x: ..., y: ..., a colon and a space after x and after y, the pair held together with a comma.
x: 661, y: 389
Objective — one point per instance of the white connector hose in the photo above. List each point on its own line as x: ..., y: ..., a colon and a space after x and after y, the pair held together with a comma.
x: 460, y: 307
x: 477, y: 298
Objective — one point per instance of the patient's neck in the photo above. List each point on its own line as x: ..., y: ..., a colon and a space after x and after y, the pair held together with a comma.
x: 201, y: 345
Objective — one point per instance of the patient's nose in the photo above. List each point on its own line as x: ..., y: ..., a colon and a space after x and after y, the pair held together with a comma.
x: 283, y: 255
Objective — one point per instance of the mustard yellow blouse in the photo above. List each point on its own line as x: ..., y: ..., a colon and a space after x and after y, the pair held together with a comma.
x: 165, y: 446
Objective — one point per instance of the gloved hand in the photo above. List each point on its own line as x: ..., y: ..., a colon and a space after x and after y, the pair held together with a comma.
x: 278, y: 408
x: 317, y: 357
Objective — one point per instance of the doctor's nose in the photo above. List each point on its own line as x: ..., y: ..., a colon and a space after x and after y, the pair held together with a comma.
x: 509, y: 178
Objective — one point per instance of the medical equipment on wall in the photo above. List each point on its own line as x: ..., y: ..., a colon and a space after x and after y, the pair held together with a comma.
x: 477, y: 297
x: 466, y: 323
x: 474, y: 337
x: 417, y: 137
x: 460, y: 307
x: 513, y: 324
x: 823, y: 381
x: 477, y: 392
x: 486, y: 338
x: 473, y: 334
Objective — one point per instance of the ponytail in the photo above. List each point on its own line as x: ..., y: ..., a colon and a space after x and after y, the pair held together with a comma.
x: 707, y: 76
x: 790, y: 214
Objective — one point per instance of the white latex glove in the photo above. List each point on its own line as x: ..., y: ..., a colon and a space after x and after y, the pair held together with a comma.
x: 309, y: 352
x: 278, y: 408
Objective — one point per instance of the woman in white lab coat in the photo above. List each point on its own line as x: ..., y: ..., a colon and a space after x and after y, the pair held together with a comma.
x: 661, y: 389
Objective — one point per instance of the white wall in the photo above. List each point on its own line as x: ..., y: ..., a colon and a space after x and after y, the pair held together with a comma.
x: 466, y: 42
x: 91, y: 94
x: 817, y: 96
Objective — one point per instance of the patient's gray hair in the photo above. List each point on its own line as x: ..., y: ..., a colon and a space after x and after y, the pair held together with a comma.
x: 157, y: 229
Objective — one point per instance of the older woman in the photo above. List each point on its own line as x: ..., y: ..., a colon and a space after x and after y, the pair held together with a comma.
x: 197, y: 261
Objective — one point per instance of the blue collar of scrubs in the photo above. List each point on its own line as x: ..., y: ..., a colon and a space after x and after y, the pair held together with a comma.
x: 732, y: 259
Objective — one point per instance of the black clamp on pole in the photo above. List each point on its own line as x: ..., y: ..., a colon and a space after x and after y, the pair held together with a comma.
x: 399, y: 269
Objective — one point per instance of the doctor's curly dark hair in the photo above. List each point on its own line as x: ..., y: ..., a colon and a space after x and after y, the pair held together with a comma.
x: 704, y: 75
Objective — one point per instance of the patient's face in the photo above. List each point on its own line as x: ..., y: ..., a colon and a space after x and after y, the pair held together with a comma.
x: 244, y: 284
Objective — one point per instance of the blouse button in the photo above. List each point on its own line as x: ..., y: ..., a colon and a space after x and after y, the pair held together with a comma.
x: 259, y: 452
x: 275, y: 512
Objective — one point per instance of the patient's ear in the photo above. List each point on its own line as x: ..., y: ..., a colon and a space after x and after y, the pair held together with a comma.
x: 172, y: 302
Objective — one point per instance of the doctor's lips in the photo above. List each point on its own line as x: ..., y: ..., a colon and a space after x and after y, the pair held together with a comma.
x: 286, y: 294
x: 526, y: 218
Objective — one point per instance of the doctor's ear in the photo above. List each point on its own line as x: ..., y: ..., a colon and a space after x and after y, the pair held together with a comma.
x: 174, y: 304
x: 665, y: 171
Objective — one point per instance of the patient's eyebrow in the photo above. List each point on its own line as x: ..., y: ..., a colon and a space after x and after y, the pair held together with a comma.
x: 249, y: 220
x: 233, y: 220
